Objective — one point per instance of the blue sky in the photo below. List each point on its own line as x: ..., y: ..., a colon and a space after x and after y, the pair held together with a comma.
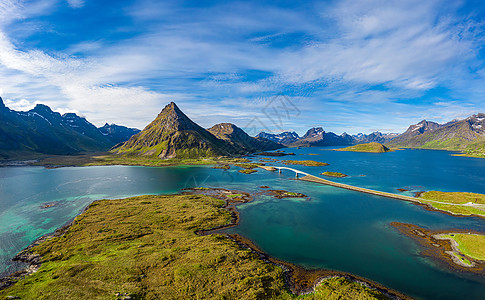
x: 353, y: 66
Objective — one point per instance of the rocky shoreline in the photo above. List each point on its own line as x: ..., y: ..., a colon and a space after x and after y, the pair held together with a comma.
x: 442, y: 249
x: 33, y: 260
x: 298, y: 280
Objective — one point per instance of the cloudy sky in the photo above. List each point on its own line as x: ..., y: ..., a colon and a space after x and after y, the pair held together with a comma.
x: 353, y: 66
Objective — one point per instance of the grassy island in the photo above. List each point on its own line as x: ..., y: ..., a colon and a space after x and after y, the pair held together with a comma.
x: 462, y: 250
x: 472, y: 245
x: 247, y: 171
x: 334, y: 174
x: 473, y: 153
x: 108, y: 159
x: 369, y: 147
x: 146, y: 248
x: 456, y: 202
x: 307, y: 163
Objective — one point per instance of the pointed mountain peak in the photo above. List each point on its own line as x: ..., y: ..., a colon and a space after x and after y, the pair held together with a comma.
x: 2, y: 105
x: 225, y: 128
x: 42, y: 108
x: 171, y: 118
x: 172, y: 107
x: 313, y: 132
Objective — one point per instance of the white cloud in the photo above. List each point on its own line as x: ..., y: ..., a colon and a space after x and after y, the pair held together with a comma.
x: 359, y: 52
x: 400, y: 44
x: 20, y: 105
x: 76, y: 3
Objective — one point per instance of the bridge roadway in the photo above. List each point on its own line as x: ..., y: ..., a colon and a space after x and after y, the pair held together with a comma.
x: 312, y: 178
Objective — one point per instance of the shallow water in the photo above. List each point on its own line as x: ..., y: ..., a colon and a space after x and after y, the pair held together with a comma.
x: 334, y: 229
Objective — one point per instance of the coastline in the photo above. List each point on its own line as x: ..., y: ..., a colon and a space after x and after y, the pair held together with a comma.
x: 33, y: 260
x: 301, y: 281
x: 444, y: 250
x: 415, y: 200
x: 298, y: 280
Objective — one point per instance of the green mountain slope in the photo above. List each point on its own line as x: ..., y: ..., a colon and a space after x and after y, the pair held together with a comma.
x: 172, y: 134
x: 42, y: 131
x: 463, y: 135
x: 240, y: 139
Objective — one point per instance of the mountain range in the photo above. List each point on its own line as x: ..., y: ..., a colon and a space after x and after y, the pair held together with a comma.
x: 43, y: 131
x: 462, y: 135
x: 173, y: 135
x: 317, y: 137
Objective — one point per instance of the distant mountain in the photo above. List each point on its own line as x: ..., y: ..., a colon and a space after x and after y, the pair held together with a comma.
x: 241, y: 140
x: 284, y: 138
x: 375, y: 137
x: 116, y: 133
x: 467, y: 134
x: 172, y: 134
x: 317, y: 137
x: 415, y: 130
x: 42, y: 131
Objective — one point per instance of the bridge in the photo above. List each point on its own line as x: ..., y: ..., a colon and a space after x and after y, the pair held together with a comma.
x: 312, y: 178
x: 274, y: 168
x: 315, y: 179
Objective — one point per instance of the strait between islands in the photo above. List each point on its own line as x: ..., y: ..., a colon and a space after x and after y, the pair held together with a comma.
x: 157, y: 247
x: 172, y: 246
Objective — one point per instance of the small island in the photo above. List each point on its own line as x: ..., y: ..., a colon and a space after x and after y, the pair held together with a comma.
x: 459, y: 249
x: 334, y: 174
x: 307, y: 163
x: 248, y: 168
x: 285, y: 194
x: 369, y: 147
x: 471, y: 245
x: 247, y: 171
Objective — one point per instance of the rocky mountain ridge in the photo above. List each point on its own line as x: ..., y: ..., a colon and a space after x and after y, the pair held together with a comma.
x: 462, y: 135
x: 317, y: 137
x: 41, y: 131
x: 173, y: 135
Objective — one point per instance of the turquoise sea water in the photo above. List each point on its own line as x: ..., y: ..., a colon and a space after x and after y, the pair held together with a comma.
x: 334, y: 229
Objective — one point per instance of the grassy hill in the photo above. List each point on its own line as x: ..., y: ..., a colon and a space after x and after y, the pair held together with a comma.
x: 172, y: 134
x: 369, y: 147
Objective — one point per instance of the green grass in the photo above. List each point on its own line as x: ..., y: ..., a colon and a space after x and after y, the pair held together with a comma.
x: 146, y: 247
x: 473, y: 153
x: 449, y: 199
x: 248, y: 165
x: 341, y: 288
x: 333, y: 174
x: 247, y: 171
x: 135, y: 160
x: 235, y: 195
x: 462, y: 259
x: 107, y: 159
x: 308, y: 163
x: 472, y: 245
x: 369, y: 147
